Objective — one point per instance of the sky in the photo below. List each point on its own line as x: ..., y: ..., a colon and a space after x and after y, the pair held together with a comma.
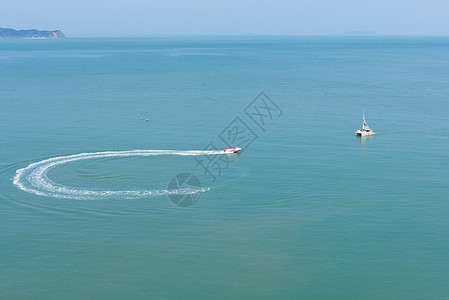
x: 134, y: 18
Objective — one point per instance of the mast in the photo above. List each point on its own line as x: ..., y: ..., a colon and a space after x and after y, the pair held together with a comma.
x: 363, y: 120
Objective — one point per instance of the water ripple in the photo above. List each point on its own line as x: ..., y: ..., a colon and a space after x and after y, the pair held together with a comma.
x: 33, y: 178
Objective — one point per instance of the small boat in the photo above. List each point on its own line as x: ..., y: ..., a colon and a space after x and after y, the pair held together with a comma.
x: 232, y: 150
x: 365, y: 131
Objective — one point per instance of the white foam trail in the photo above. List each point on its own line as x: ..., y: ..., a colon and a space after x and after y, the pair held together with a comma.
x: 33, y: 178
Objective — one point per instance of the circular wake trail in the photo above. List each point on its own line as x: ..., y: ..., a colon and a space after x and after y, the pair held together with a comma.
x: 33, y: 178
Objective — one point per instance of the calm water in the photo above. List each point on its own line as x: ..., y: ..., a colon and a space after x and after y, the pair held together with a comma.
x: 307, y: 210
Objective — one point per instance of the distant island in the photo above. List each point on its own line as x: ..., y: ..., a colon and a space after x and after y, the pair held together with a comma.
x: 8, y: 33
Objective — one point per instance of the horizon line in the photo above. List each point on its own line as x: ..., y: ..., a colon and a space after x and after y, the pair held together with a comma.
x: 256, y: 35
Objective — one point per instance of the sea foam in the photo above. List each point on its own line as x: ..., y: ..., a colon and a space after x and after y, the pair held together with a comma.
x: 33, y: 178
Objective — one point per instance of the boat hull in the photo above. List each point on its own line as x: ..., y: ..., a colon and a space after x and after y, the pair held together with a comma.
x: 364, y: 133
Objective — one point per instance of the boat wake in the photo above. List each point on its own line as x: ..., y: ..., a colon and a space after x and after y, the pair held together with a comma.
x: 33, y: 178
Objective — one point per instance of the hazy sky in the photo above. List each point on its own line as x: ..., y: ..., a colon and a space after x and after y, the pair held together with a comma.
x: 228, y: 17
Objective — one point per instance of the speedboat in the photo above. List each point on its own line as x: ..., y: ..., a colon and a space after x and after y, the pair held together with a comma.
x: 232, y: 150
x: 365, y: 131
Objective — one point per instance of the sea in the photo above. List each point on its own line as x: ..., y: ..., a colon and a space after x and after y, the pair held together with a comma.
x: 114, y: 185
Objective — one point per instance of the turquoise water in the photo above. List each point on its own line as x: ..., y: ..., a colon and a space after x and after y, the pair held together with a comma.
x: 306, y: 211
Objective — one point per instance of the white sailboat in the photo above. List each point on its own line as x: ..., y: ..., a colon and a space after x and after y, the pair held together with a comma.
x: 365, y: 131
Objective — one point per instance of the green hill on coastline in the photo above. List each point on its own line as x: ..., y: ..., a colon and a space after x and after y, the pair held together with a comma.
x: 30, y: 34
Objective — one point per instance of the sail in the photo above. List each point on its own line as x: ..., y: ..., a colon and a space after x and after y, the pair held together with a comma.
x: 364, y: 124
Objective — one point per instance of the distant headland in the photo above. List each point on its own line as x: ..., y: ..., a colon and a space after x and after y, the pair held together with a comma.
x: 8, y: 33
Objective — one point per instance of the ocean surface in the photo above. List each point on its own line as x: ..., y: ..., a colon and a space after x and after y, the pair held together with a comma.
x: 89, y: 211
